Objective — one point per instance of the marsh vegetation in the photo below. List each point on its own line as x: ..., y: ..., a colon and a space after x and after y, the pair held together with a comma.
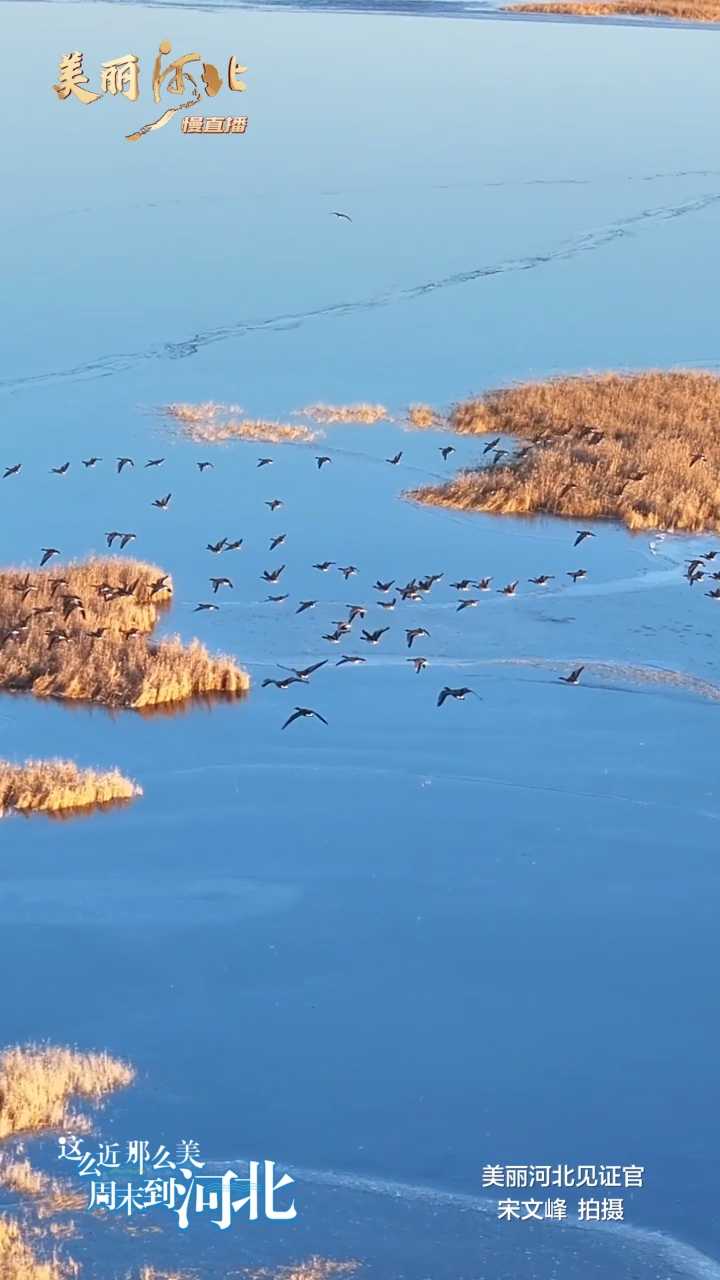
x: 81, y: 631
x: 641, y: 448
x: 50, y: 786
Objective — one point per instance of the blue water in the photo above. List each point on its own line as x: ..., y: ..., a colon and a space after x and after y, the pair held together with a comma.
x: 416, y: 941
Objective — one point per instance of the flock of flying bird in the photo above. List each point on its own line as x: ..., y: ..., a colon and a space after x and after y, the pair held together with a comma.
x: 415, y: 590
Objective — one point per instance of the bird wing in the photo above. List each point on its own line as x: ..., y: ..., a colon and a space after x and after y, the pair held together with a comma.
x: 315, y: 667
x: 295, y: 716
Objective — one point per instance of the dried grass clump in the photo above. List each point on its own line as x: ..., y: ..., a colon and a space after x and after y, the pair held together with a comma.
x: 212, y: 423
x: 18, y: 1260
x: 37, y: 1083
x: 152, y: 1273
x: 327, y: 413
x: 314, y: 1269
x: 642, y: 448
x: 52, y: 785
x: 683, y: 10
x: 81, y: 631
x: 54, y: 1196
x: 423, y: 417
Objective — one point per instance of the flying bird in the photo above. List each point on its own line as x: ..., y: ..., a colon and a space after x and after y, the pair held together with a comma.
x: 356, y: 611
x: 542, y: 580
x: 273, y: 575
x: 47, y: 554
x: 61, y: 471
x: 220, y: 582
x: 162, y: 503
x: 217, y: 547
x: 276, y: 599
x: 348, y: 658
x: 264, y: 462
x: 90, y: 462
x: 336, y: 636
x: 387, y: 604
x: 447, y: 450
x: 234, y: 546
x: 304, y: 673
x: 125, y: 538
x: 414, y: 633
x: 459, y: 694
x: 321, y: 460
x: 154, y: 462
x: 274, y: 503
x: 281, y: 684
x: 124, y: 462
x: 278, y: 541
x: 12, y: 471
x: 483, y: 584
x: 305, y: 604
x: 324, y: 565
x: 395, y: 459
x: 384, y: 586
x: 467, y: 604
x: 582, y: 534
x: 573, y: 677
x: 302, y: 713
x: 419, y: 664
x: 373, y: 637
x: 205, y: 608
x: 491, y: 444
x: 463, y: 584
x: 347, y: 570
x: 204, y: 466
x: 510, y: 589
x: 336, y: 213
x: 697, y: 457
x: 577, y: 574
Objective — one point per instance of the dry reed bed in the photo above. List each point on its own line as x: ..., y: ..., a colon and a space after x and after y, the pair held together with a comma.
x: 81, y: 631
x: 642, y: 448
x: 37, y: 1083
x: 19, y: 1261
x: 368, y: 414
x: 424, y: 418
x: 152, y: 1273
x: 212, y: 423
x: 682, y: 10
x: 50, y: 786
x: 55, y: 785
x: 314, y: 1269
x: 51, y: 1194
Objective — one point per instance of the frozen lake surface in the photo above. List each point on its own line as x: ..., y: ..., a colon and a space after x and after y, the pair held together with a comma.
x: 389, y: 951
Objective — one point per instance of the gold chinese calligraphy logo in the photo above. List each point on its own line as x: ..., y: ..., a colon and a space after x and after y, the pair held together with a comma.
x: 122, y: 76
